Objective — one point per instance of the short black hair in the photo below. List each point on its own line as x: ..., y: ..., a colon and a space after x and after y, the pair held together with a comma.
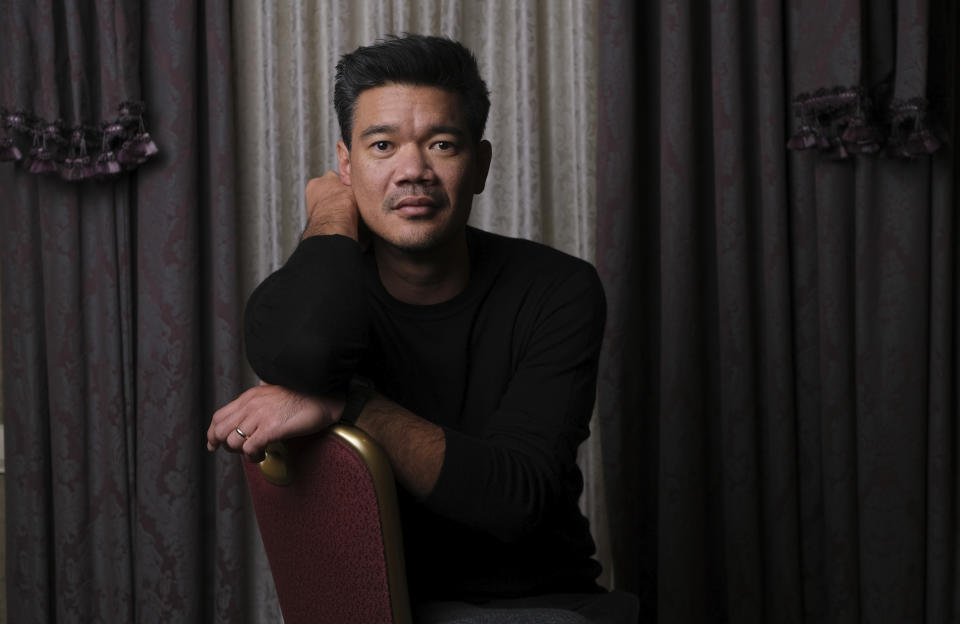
x: 415, y: 60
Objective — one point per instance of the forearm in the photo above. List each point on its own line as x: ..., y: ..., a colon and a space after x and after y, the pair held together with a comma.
x: 306, y: 326
x: 333, y: 224
x: 500, y: 486
x: 331, y: 208
x: 510, y: 470
x: 415, y: 446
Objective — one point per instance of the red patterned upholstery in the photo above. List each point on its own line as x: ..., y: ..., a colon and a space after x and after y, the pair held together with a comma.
x: 332, y: 534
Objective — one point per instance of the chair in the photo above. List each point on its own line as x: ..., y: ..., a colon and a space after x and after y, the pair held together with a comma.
x: 326, y: 505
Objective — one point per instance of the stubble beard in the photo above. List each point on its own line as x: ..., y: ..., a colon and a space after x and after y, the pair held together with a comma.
x: 421, y: 237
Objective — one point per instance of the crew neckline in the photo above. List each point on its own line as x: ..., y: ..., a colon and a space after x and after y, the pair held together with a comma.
x: 481, y: 272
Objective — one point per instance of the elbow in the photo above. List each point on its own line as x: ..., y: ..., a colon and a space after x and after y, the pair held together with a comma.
x: 504, y: 488
x: 528, y: 499
x: 307, y: 366
x: 306, y: 325
x: 307, y: 354
x: 513, y: 530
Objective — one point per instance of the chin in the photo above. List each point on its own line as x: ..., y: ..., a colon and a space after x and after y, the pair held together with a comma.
x: 414, y: 244
x: 418, y: 239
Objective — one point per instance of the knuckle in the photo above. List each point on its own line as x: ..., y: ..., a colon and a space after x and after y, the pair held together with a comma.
x: 252, y: 450
x: 266, y: 431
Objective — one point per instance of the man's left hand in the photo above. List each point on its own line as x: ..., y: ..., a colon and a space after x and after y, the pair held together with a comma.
x: 267, y: 413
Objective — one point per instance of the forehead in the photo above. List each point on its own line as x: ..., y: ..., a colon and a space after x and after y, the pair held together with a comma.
x: 408, y: 108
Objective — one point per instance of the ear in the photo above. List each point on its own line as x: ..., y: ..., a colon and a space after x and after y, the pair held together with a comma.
x: 484, y: 156
x: 343, y: 160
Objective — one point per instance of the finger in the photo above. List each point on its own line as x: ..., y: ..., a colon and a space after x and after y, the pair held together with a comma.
x: 239, y: 435
x: 213, y: 431
x: 224, y: 420
x: 253, y: 450
x: 220, y: 424
x: 255, y: 443
x: 234, y: 442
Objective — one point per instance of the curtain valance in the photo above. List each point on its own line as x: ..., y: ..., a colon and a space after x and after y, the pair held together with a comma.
x: 70, y: 88
x: 868, y: 78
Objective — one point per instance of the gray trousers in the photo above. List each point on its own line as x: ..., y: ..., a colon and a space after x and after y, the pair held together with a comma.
x: 610, y: 608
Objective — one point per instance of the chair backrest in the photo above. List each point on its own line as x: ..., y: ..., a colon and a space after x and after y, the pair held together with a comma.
x: 326, y: 506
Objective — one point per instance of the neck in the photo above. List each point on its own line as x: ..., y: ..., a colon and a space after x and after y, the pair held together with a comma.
x: 424, y: 278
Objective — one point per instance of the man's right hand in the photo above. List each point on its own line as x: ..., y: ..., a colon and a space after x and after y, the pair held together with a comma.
x: 331, y: 207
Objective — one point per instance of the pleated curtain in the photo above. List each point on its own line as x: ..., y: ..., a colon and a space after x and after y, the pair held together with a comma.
x: 120, y: 318
x: 779, y: 395
x: 768, y: 189
x: 122, y: 287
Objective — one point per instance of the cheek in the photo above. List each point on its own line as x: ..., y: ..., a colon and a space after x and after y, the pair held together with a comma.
x: 455, y: 176
x: 369, y: 211
x: 464, y: 186
x: 366, y: 187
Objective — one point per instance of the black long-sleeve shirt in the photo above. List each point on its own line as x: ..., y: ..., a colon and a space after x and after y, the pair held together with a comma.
x: 508, y: 369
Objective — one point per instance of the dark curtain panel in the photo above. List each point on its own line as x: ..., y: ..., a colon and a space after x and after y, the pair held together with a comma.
x: 778, y: 398
x: 628, y: 435
x: 120, y: 319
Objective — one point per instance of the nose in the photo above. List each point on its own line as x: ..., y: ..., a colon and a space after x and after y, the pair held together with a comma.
x: 413, y: 166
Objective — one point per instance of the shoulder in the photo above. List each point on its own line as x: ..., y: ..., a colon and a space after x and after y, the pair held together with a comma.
x: 523, y: 261
x: 520, y: 252
x: 535, y: 283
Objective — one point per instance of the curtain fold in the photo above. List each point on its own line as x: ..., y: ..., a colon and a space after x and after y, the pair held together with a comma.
x: 625, y: 433
x: 120, y: 324
x: 792, y: 361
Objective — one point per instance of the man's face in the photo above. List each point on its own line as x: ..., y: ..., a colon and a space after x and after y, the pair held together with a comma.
x: 413, y: 166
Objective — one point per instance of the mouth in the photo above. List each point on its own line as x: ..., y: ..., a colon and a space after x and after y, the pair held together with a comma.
x: 419, y: 200
x: 416, y: 206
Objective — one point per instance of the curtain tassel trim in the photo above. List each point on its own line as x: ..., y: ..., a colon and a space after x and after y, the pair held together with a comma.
x: 842, y: 121
x: 81, y: 152
x: 911, y: 133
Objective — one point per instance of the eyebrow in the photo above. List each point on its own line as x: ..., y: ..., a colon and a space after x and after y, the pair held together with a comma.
x: 381, y: 129
x: 454, y: 130
x: 387, y: 129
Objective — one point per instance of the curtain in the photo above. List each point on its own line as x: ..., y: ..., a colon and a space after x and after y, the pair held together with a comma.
x: 539, y: 60
x: 777, y: 432
x: 781, y: 396
x: 120, y: 321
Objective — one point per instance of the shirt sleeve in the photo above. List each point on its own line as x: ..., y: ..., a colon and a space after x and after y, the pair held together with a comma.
x: 522, y: 468
x: 306, y: 326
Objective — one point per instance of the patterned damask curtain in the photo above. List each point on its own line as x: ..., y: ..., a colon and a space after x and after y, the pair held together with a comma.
x: 70, y: 102
x: 120, y: 316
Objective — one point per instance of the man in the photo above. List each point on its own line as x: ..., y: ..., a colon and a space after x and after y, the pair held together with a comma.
x: 470, y: 357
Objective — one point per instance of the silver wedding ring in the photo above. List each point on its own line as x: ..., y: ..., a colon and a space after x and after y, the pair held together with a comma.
x: 241, y: 434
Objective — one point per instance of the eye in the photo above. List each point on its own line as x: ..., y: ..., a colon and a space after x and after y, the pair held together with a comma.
x: 381, y: 146
x: 445, y: 146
